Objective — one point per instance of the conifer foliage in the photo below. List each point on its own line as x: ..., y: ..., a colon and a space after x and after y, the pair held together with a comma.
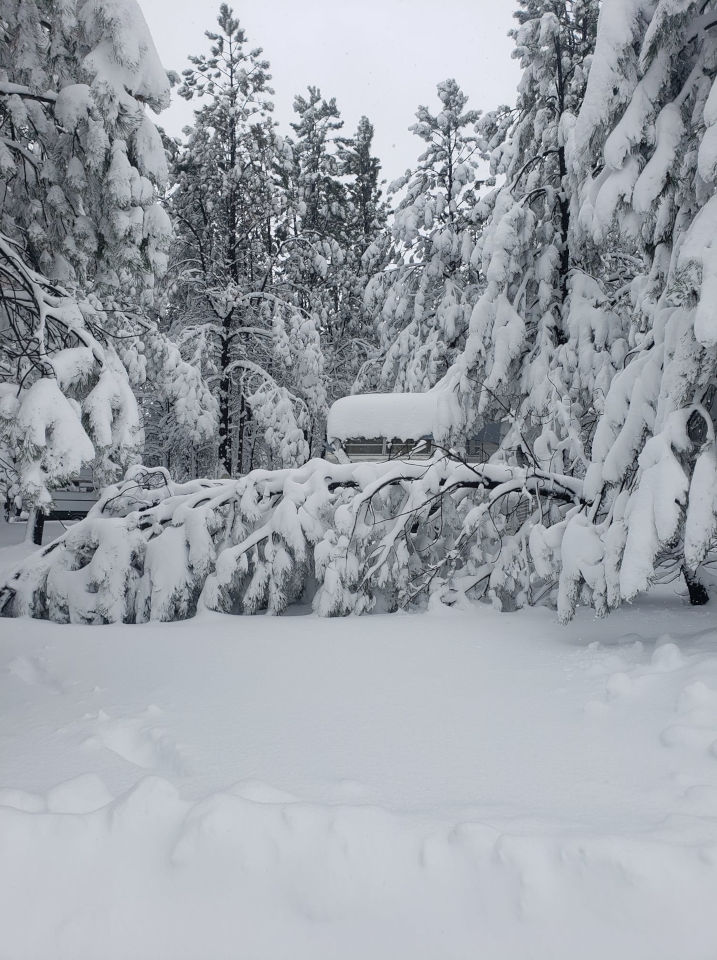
x: 520, y: 328
x: 82, y: 239
x: 645, y: 166
x: 267, y: 273
x: 422, y: 299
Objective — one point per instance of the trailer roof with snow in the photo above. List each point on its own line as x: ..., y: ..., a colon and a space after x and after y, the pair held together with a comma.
x: 383, y: 425
x: 403, y: 416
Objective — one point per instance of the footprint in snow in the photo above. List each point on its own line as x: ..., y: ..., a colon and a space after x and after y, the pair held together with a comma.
x: 140, y: 740
x: 696, y: 726
x: 699, y: 702
x: 32, y: 671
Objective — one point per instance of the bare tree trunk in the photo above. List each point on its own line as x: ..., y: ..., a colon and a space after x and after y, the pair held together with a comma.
x: 563, y: 202
x: 225, y: 437
x: 35, y: 526
x: 243, y: 417
x: 697, y: 591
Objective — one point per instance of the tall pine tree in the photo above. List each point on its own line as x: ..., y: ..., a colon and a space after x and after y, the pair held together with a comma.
x: 423, y: 297
x: 259, y: 348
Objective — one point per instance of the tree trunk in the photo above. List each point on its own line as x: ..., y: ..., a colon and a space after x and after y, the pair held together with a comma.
x: 225, y: 435
x: 697, y: 591
x: 563, y: 202
x: 240, y: 433
x: 35, y: 526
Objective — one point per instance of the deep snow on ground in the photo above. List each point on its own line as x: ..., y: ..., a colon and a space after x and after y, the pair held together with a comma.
x: 442, y: 785
x: 12, y: 535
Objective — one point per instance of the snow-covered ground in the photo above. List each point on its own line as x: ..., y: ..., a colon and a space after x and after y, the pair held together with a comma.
x: 446, y: 785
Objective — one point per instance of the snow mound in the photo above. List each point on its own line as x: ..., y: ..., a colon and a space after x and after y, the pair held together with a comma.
x: 195, y: 879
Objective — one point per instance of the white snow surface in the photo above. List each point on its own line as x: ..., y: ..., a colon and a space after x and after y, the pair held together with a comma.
x: 454, y: 784
x: 403, y: 416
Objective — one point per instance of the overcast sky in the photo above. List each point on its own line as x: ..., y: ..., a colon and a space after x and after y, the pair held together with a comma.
x: 377, y: 57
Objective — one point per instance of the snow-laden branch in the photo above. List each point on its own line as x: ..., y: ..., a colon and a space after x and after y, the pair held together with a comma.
x: 26, y: 93
x: 154, y: 549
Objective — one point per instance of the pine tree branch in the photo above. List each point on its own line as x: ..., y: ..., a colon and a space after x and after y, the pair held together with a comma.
x: 20, y: 90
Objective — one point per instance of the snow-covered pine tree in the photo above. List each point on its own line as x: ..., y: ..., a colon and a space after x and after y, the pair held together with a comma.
x: 422, y: 299
x: 362, y: 170
x: 235, y: 224
x: 335, y: 214
x: 353, y: 332
x: 81, y: 157
x: 320, y: 194
x: 522, y: 347
x: 645, y: 168
x: 537, y: 355
x: 81, y: 163
x: 316, y: 261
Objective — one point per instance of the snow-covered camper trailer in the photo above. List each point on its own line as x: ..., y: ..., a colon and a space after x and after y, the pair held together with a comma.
x: 74, y: 501
x: 71, y: 502
x: 384, y: 426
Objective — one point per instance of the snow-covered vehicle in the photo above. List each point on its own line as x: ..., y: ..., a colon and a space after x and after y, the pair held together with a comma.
x: 386, y: 426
